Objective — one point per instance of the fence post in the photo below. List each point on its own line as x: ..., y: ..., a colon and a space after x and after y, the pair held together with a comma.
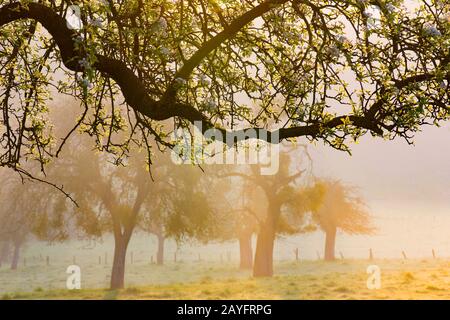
x: 370, y: 254
x: 48, y: 260
x: 404, y: 255
x: 434, y: 253
x: 296, y: 254
x: 342, y: 256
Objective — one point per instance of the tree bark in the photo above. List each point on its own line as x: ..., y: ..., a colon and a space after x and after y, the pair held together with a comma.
x: 263, y: 266
x: 118, y: 268
x: 160, y: 253
x: 246, y: 251
x: 330, y: 243
x: 16, y: 254
x: 4, y: 252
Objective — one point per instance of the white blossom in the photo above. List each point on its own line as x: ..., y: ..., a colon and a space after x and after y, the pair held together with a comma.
x: 432, y: 31
x: 203, y: 80
x: 446, y: 18
x: 342, y: 39
x: 367, y: 14
x: 96, y: 22
x: 334, y: 52
x: 164, y: 51
x: 160, y: 26
x: 180, y: 81
x: 84, y: 63
x: 390, y: 8
x: 85, y: 83
x: 211, y: 104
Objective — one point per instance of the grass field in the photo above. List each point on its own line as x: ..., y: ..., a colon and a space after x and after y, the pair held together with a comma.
x: 343, y: 279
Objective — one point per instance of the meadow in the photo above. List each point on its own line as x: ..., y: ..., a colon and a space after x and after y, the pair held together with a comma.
x: 342, y: 279
x: 212, y: 272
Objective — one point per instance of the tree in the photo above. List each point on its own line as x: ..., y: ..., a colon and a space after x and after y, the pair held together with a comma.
x: 163, y: 198
x: 237, y: 212
x: 29, y: 209
x: 287, y: 203
x: 341, y: 209
x: 179, y: 204
x: 324, y: 69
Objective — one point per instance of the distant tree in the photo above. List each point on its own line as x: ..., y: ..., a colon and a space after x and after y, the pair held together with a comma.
x: 179, y: 204
x: 29, y: 209
x: 287, y: 204
x: 343, y: 209
x: 118, y: 199
x: 236, y: 207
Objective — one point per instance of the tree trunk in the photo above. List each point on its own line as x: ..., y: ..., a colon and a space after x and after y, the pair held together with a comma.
x: 118, y: 268
x: 16, y: 254
x: 246, y: 251
x: 4, y: 252
x: 330, y: 242
x: 263, y: 266
x: 160, y: 253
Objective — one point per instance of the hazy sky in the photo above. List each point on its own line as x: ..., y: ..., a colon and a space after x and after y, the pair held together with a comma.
x: 406, y: 187
x: 393, y: 172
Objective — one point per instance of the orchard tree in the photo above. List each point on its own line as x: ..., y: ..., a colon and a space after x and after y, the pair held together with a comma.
x: 236, y: 208
x: 179, y: 204
x: 343, y: 209
x: 328, y: 70
x: 287, y: 201
x: 109, y: 198
x: 166, y: 199
x: 29, y: 209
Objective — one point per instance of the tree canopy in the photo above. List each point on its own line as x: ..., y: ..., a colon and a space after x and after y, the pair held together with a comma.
x: 343, y: 208
x: 324, y: 69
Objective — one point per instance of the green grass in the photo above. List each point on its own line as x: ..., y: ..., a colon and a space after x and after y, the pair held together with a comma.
x: 304, y: 280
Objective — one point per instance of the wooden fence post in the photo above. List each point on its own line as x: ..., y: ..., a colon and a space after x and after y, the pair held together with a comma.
x: 404, y: 255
